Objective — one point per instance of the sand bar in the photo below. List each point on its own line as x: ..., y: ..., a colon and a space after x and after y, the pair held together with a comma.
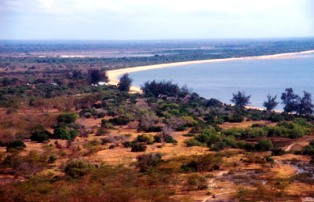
x: 114, y: 75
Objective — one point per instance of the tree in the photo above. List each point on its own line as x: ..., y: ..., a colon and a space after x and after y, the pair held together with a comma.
x: 97, y: 75
x: 270, y: 103
x: 125, y: 83
x: 306, y: 106
x: 240, y: 100
x: 290, y: 100
x: 155, y: 89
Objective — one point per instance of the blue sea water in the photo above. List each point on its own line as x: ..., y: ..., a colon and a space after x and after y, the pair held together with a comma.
x: 256, y: 77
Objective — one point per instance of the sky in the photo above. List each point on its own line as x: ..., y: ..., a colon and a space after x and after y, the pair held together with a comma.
x: 155, y: 19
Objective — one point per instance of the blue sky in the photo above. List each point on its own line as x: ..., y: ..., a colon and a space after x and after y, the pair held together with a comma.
x: 155, y: 19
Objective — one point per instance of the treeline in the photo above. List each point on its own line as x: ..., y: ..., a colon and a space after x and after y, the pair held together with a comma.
x: 292, y: 102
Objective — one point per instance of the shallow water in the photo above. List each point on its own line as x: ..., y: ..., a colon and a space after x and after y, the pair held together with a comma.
x: 256, y: 77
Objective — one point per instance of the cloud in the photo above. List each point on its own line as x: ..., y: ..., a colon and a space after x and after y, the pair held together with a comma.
x: 139, y: 19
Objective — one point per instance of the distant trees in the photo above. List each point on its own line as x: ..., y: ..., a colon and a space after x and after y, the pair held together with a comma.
x: 97, y: 75
x: 270, y: 104
x: 290, y: 100
x: 306, y: 106
x: 125, y: 83
x: 294, y: 103
x: 241, y: 100
x: 156, y: 89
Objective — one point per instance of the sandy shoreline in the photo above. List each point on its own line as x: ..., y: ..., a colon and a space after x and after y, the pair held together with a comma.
x: 114, y: 75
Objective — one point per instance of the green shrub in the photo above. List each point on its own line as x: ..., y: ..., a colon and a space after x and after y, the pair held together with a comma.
x: 203, y: 163
x: 18, y: 144
x: 264, y: 145
x: 196, y: 182
x: 40, y: 134
x: 170, y: 139
x: 235, y: 132
x: 148, y: 161
x: 146, y: 138
x: 231, y: 141
x: 193, y: 142
x: 120, y: 121
x: 277, y: 152
x: 67, y: 118
x: 138, y: 147
x: 77, y: 168
x: 61, y: 133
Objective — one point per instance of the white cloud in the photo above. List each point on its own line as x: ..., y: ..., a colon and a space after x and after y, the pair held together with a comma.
x: 153, y: 18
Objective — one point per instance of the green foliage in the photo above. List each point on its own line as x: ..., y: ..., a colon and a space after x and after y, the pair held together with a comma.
x: 67, y: 118
x: 203, y: 163
x: 65, y: 133
x: 193, y: 142
x: 148, y: 161
x: 166, y: 88
x: 196, y: 182
x: 290, y: 100
x: 138, y: 147
x: 169, y: 139
x: 97, y: 75
x: 270, y: 103
x: 241, y: 100
x: 40, y: 134
x: 235, y: 118
x: 309, y: 149
x: 264, y: 145
x: 145, y: 138
x: 209, y: 137
x: 18, y: 145
x: 124, y: 83
x: 78, y: 168
x: 277, y: 152
x: 106, y: 124
x: 121, y: 120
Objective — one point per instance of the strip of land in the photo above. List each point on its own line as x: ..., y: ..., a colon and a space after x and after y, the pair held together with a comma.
x: 114, y: 75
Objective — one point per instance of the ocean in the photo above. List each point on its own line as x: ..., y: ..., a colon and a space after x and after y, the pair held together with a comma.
x: 255, y: 77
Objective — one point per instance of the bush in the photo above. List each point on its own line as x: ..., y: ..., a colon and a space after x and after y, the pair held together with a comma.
x: 277, y: 152
x: 193, y: 142
x: 148, y: 161
x: 146, y: 138
x: 170, y: 139
x: 209, y: 137
x: 196, y: 182
x: 138, y: 147
x: 309, y: 149
x: 120, y: 121
x: 77, y: 168
x: 40, y: 134
x: 154, y: 89
x: 203, y: 163
x: 18, y: 144
x: 67, y: 118
x: 61, y: 133
x: 231, y: 141
x: 264, y: 145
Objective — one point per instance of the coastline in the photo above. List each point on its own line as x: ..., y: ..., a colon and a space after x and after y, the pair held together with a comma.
x: 114, y: 75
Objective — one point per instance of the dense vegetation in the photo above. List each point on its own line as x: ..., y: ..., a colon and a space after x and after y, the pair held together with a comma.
x: 61, y: 133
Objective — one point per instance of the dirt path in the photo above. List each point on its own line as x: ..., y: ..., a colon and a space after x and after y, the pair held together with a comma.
x: 301, y: 141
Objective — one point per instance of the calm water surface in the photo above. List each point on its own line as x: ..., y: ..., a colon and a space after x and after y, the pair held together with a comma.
x: 256, y: 77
